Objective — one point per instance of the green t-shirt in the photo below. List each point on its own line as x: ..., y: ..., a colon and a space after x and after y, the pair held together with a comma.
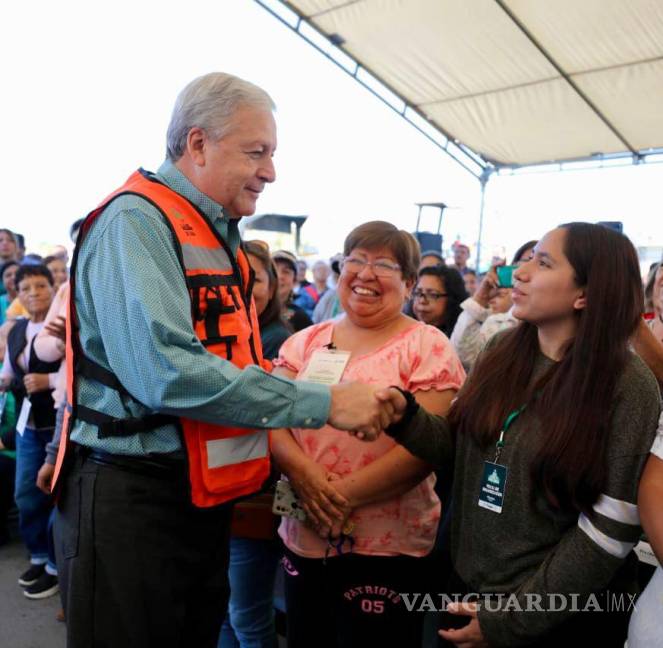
x: 8, y: 421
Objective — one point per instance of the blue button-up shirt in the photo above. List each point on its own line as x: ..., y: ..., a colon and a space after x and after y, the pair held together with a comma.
x: 134, y: 314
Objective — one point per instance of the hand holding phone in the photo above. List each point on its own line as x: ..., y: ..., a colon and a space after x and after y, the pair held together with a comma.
x: 505, y: 276
x: 487, y: 288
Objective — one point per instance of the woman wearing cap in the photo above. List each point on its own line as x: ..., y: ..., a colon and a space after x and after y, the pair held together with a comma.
x: 286, y: 269
x: 372, y: 510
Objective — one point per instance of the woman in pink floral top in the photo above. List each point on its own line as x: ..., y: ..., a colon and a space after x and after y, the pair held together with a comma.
x: 342, y: 589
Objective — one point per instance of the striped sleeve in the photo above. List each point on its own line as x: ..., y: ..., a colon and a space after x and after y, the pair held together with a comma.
x: 615, y: 525
x: 588, y: 555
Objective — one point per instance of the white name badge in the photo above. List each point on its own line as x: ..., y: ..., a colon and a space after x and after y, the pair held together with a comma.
x: 326, y: 367
x: 645, y: 553
x: 23, y: 416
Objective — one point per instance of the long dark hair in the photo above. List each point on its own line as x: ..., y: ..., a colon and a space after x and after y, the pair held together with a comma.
x: 12, y: 236
x: 517, y: 257
x: 649, y: 285
x: 272, y: 312
x: 454, y: 286
x: 575, y: 396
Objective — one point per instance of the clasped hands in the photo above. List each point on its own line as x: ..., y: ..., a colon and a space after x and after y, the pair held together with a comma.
x: 365, y: 410
x: 327, y: 508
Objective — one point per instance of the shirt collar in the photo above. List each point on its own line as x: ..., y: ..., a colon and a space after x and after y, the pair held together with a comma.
x: 228, y: 227
x: 177, y: 181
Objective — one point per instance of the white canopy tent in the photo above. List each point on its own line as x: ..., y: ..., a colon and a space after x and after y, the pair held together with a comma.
x: 500, y: 84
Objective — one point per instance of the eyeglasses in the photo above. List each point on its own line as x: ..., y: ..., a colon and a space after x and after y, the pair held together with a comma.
x: 428, y: 295
x: 380, y: 268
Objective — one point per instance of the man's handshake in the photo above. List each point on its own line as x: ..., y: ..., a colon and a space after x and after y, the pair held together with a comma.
x: 365, y: 410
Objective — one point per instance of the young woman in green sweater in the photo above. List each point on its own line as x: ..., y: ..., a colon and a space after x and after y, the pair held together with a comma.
x: 549, y: 437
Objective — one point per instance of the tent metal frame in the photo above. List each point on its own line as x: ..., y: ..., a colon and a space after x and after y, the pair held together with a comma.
x: 482, y: 168
x: 567, y: 78
x: 472, y: 162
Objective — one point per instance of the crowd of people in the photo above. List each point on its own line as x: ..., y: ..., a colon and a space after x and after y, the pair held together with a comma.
x: 30, y: 386
x: 456, y: 458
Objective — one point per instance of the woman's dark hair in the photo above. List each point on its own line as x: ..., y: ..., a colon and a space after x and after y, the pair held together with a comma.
x: 380, y: 234
x: 5, y: 265
x: 272, y: 312
x: 33, y: 270
x: 649, y: 286
x: 454, y: 287
x: 10, y: 234
x: 76, y: 225
x: 521, y: 250
x: 574, y: 399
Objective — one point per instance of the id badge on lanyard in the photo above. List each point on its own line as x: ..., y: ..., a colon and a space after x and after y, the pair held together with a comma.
x: 24, y: 416
x: 326, y: 366
x: 493, y: 480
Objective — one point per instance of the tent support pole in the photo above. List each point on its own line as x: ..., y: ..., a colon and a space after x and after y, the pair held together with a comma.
x: 485, y: 176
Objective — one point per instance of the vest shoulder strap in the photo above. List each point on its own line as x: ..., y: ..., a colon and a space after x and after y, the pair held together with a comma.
x: 109, y: 426
x: 93, y: 371
x: 16, y: 341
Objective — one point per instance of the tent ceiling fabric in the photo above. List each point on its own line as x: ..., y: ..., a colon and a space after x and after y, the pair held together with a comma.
x: 469, y: 67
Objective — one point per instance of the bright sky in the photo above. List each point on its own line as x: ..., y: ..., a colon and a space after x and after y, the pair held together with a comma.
x: 88, y: 88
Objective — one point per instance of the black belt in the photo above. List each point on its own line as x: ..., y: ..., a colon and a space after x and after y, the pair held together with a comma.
x: 161, y: 466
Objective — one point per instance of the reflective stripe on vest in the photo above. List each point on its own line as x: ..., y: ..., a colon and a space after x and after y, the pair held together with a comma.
x: 196, y: 257
x: 225, y: 463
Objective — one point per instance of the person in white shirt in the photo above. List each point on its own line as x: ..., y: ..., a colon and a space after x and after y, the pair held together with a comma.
x: 486, y: 313
x: 31, y: 380
x: 645, y: 627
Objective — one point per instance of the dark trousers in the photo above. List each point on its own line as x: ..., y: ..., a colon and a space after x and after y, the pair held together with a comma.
x: 143, y: 567
x: 7, y: 472
x: 353, y: 601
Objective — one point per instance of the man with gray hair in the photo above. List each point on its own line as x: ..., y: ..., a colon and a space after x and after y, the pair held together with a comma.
x: 168, y: 404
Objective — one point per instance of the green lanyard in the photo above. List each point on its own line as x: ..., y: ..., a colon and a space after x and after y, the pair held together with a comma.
x: 507, y: 424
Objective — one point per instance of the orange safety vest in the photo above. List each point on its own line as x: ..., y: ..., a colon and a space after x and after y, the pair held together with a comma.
x: 225, y: 463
